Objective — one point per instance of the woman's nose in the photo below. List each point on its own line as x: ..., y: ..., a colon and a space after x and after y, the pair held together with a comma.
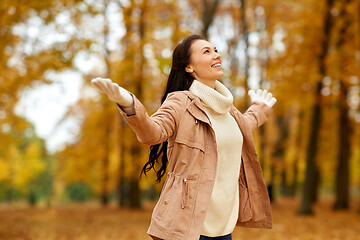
x: 216, y: 55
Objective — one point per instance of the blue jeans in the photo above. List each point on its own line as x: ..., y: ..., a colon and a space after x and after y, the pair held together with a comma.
x: 226, y: 237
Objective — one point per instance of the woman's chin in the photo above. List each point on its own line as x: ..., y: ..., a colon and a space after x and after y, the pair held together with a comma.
x: 220, y: 74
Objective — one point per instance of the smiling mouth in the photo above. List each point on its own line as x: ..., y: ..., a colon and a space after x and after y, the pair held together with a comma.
x: 216, y: 65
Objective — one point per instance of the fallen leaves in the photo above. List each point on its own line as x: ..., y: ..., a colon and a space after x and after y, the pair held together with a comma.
x: 84, y: 222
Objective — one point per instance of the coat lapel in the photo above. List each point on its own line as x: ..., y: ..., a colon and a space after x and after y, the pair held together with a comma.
x: 196, y: 109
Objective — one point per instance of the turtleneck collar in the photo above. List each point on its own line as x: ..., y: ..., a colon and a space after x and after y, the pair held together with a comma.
x: 219, y: 99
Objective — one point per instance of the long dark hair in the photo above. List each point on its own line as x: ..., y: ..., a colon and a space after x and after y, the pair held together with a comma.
x: 178, y: 80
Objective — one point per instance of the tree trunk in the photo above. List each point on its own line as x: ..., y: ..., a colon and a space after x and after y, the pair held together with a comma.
x: 270, y: 185
x: 209, y: 10
x: 312, y: 175
x: 104, y: 189
x: 293, y: 185
x: 310, y: 187
x: 104, y: 192
x: 263, y: 65
x: 298, y: 143
x: 136, y: 150
x: 135, y: 200
x: 283, y: 183
x: 342, y: 170
x: 122, y: 197
x: 245, y: 35
x: 280, y: 147
x: 104, y: 195
x: 262, y: 145
x: 32, y: 198
x: 314, y: 190
x: 121, y: 169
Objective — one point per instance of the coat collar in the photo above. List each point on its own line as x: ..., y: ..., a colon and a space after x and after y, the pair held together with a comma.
x: 196, y: 109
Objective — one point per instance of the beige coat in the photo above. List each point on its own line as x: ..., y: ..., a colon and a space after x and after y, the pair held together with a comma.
x: 180, y: 212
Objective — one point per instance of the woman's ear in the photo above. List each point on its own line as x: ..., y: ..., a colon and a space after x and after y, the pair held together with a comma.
x: 189, y: 69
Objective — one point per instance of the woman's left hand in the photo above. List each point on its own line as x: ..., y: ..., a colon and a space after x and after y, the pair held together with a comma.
x: 262, y: 96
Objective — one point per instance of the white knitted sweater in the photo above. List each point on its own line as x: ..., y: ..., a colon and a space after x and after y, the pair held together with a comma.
x: 222, y: 213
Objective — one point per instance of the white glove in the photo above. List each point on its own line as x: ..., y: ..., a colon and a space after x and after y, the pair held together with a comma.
x: 262, y: 96
x: 114, y: 92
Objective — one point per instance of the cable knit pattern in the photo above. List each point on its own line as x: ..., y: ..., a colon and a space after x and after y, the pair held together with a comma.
x: 222, y: 212
x: 220, y: 100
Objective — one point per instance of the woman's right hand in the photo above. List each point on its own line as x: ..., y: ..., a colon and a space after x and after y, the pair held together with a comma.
x: 114, y: 92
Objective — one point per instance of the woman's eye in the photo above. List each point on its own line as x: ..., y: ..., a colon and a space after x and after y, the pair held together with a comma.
x: 206, y: 51
x: 216, y: 50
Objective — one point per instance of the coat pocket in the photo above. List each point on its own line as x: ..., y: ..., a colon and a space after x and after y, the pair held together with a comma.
x: 244, y: 204
x: 167, y: 194
x: 191, y: 143
x: 188, y: 157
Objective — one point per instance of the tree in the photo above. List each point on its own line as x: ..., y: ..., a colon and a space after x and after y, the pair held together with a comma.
x: 309, y: 194
x: 209, y: 10
x: 346, y: 34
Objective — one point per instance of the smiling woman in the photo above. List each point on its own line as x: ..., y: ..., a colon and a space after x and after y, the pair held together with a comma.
x: 205, y: 63
x: 206, y: 142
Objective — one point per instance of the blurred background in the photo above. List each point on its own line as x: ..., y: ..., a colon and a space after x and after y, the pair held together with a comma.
x: 69, y: 164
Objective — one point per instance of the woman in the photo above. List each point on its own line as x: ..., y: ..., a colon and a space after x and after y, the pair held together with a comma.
x: 214, y: 179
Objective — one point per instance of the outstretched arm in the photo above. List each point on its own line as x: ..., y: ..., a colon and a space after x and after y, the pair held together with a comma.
x: 258, y: 113
x: 149, y: 130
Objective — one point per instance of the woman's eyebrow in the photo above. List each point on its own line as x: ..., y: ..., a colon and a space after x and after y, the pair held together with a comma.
x: 207, y: 48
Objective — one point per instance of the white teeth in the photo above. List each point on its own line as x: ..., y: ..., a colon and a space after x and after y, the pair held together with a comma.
x: 216, y: 65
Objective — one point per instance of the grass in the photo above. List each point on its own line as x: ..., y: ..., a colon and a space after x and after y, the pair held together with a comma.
x: 80, y: 222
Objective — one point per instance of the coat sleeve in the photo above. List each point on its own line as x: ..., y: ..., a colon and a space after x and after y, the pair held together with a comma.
x: 257, y: 114
x: 161, y: 125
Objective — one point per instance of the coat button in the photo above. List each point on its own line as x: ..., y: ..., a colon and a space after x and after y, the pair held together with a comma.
x: 166, y: 202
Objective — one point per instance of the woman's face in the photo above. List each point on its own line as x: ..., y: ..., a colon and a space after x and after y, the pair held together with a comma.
x: 205, y: 62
